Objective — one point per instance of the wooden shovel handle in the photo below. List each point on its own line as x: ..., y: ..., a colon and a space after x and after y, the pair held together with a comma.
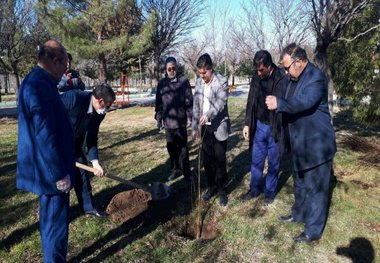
x: 111, y: 176
x: 85, y: 167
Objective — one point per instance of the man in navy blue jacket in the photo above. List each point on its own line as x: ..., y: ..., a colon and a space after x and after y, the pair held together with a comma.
x: 86, y: 111
x: 45, y: 152
x: 312, y: 140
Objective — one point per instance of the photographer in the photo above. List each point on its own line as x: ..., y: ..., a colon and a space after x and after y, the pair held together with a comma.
x: 71, y: 79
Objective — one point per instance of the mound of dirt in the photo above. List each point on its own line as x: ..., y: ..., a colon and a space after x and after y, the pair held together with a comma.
x: 128, y: 204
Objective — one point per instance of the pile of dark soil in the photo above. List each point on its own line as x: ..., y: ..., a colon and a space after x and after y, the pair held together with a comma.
x: 127, y: 205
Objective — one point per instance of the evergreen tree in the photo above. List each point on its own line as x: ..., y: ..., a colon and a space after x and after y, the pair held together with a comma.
x: 109, y: 31
x: 355, y: 64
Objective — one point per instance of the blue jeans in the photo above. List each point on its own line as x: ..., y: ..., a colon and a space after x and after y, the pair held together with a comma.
x: 264, y: 145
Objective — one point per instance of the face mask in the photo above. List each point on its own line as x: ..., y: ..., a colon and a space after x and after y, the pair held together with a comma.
x: 101, y: 111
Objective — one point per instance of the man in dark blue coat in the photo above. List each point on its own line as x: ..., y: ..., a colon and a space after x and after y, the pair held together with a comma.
x: 86, y: 111
x: 312, y: 140
x: 45, y: 152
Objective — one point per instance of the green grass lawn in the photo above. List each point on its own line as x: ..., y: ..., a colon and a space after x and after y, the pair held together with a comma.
x: 131, y: 147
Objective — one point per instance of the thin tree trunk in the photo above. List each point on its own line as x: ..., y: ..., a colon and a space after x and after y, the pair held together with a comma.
x: 17, y: 76
x: 156, y: 70
x: 102, y: 68
x: 322, y: 62
x: 6, y: 84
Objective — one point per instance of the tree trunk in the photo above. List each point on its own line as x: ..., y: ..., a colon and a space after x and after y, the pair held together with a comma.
x: 17, y: 76
x: 102, y: 68
x: 6, y: 84
x: 322, y: 62
x: 156, y: 70
x: 17, y: 84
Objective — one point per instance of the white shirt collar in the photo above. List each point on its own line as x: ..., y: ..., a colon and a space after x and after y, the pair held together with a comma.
x: 90, y: 108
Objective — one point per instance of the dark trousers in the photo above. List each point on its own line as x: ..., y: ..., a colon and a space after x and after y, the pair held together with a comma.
x: 311, y: 198
x: 264, y: 145
x: 176, y: 143
x: 82, y: 186
x: 54, y: 226
x: 214, y: 160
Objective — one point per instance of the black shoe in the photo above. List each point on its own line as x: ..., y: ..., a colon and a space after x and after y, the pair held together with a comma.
x: 286, y: 219
x: 268, y: 201
x: 223, y: 199
x: 96, y: 213
x: 303, y: 238
x: 207, y: 196
x: 174, y: 174
x: 247, y: 196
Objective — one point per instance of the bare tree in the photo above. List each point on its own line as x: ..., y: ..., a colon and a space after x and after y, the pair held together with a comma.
x: 290, y: 22
x: 190, y: 52
x: 329, y: 19
x: 217, y: 31
x: 175, y: 20
x: 248, y: 35
x: 15, y: 36
x: 232, y: 59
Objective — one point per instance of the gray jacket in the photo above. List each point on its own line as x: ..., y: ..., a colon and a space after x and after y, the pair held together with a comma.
x: 218, y: 113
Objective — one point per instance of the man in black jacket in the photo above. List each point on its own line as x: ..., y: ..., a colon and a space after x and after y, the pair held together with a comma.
x: 263, y: 127
x: 86, y: 111
x: 174, y: 105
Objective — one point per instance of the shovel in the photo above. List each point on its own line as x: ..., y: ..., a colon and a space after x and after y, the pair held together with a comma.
x: 159, y: 191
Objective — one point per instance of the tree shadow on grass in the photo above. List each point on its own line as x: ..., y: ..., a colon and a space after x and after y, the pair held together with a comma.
x: 138, y: 137
x: 8, y: 168
x: 239, y: 167
x: 343, y: 120
x: 11, y: 214
x: 8, y: 187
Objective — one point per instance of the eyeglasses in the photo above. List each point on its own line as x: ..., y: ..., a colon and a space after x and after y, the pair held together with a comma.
x: 170, y: 69
x: 288, y: 67
x: 104, y: 105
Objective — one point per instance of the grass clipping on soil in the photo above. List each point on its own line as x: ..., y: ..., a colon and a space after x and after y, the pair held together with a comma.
x: 127, y: 205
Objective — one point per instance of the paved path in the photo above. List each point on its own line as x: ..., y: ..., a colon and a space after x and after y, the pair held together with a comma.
x: 10, y: 109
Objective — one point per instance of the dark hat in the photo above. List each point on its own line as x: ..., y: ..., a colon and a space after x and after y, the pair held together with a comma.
x: 171, y: 60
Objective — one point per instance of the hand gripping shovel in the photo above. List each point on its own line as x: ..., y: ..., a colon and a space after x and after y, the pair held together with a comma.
x: 159, y: 191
